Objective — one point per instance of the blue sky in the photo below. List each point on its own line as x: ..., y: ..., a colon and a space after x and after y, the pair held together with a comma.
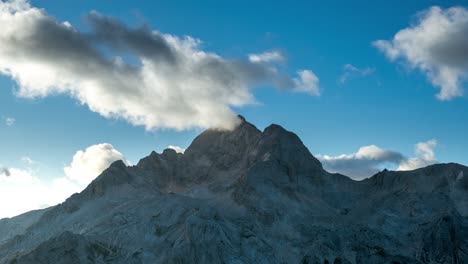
x: 381, y: 102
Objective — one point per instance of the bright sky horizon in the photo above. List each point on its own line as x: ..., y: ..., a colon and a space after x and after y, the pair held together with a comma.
x: 366, y: 86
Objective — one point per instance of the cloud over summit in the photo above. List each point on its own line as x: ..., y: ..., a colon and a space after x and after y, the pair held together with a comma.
x: 168, y: 82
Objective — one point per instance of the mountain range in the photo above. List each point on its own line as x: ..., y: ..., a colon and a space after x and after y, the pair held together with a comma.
x: 248, y: 196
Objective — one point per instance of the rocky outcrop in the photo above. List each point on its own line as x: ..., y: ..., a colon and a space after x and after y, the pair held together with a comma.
x: 247, y: 196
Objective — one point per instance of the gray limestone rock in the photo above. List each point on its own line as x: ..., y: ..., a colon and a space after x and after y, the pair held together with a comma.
x: 247, y: 196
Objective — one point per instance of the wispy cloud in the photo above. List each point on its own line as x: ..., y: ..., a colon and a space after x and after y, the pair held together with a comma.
x: 350, y: 71
x: 28, y: 160
x: 437, y: 45
x: 171, y: 83
x: 9, y: 121
x: 267, y: 57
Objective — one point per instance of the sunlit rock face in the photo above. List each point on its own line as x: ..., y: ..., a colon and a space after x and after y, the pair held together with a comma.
x: 247, y: 196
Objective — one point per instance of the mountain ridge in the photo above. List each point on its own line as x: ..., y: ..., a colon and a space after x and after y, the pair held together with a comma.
x: 246, y: 196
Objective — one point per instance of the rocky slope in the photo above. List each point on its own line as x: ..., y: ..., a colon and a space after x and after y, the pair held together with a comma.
x: 247, y: 196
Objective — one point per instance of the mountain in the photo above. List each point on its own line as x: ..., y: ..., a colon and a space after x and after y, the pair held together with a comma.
x: 247, y: 196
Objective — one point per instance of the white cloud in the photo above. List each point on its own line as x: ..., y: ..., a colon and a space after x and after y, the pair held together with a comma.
x: 88, y: 164
x: 22, y: 190
x: 269, y: 56
x: 176, y: 148
x: 307, y: 82
x: 369, y: 160
x: 351, y: 70
x: 28, y: 160
x: 437, y: 44
x: 168, y: 82
x: 10, y: 121
x: 425, y: 156
x: 18, y: 192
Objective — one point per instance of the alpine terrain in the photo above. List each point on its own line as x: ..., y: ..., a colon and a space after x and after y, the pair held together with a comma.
x: 247, y: 196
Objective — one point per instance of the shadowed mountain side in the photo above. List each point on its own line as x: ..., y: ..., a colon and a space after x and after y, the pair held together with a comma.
x: 247, y: 196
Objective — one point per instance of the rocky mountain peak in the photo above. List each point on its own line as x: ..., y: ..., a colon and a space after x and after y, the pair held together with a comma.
x: 247, y: 196
x: 285, y: 146
x: 215, y: 140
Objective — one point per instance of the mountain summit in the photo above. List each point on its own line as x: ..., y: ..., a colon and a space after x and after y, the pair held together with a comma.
x: 247, y: 196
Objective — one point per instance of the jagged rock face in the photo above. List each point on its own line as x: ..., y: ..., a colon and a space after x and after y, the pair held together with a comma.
x: 247, y: 196
x: 70, y: 248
